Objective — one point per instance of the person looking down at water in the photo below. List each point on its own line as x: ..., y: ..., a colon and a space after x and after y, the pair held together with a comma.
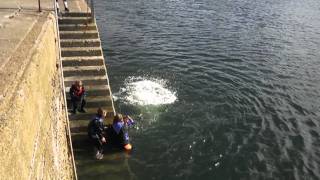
x: 65, y: 6
x: 96, y: 129
x: 77, y: 94
x: 118, y: 133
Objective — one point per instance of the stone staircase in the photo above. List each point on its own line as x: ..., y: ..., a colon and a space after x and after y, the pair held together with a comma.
x: 82, y: 59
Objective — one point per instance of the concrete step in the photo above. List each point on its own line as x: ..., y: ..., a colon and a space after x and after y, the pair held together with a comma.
x: 93, y: 90
x: 91, y: 87
x: 77, y: 27
x: 75, y: 20
x: 83, y: 61
x: 79, y: 42
x: 86, y: 80
x: 89, y: 110
x: 80, y: 51
x: 92, y: 34
x: 76, y: 14
x: 76, y: 136
x: 79, y: 126
x: 82, y: 57
x: 82, y: 125
x: 75, y: 118
x: 90, y: 113
x: 95, y: 102
x: 84, y: 71
x: 98, y: 101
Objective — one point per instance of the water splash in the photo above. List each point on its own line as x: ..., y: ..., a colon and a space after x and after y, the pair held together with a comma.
x: 144, y: 91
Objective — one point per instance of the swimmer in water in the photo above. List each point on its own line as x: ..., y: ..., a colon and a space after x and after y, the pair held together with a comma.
x: 118, y: 132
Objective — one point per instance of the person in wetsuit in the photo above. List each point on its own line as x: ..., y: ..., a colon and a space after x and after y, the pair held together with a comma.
x: 77, y: 94
x: 96, y: 129
x: 118, y: 133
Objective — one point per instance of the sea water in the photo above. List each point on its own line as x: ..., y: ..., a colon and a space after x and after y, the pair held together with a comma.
x: 220, y: 89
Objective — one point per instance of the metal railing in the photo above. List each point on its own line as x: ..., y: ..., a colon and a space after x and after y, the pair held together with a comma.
x: 39, y: 5
x: 69, y: 141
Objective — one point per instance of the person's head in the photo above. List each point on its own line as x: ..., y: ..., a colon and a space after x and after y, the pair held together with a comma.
x: 101, y: 112
x: 125, y: 118
x: 78, y: 83
x: 117, y: 118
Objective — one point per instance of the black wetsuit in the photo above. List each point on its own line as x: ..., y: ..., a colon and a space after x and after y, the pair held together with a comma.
x: 96, y: 131
x: 118, y: 134
x: 116, y: 139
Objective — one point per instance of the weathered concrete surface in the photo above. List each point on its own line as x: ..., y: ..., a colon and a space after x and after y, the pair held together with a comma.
x: 19, y: 25
x: 32, y: 126
x: 18, y: 19
x: 75, y: 5
x: 33, y: 142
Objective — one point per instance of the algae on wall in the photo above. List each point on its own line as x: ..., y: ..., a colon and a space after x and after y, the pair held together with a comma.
x: 33, y: 142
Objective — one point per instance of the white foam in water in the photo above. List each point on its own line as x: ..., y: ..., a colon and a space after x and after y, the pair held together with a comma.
x: 146, y: 92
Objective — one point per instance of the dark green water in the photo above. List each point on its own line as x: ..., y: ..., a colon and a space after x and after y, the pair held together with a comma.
x: 246, y: 75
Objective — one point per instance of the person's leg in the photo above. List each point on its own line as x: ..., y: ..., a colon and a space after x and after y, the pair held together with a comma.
x: 57, y: 5
x: 74, y: 103
x: 83, y: 103
x: 98, y: 145
x: 65, y: 5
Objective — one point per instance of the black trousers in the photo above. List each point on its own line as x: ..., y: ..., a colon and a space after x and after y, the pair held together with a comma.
x: 97, y: 144
x: 76, y: 101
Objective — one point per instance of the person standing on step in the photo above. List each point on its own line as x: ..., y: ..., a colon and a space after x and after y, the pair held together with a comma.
x: 96, y: 129
x: 77, y: 94
x: 66, y: 9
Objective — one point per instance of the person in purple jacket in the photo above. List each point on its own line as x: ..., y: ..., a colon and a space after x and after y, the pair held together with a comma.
x: 118, y: 132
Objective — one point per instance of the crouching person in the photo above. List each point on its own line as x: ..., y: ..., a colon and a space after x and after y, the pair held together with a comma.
x: 77, y: 94
x: 118, y: 133
x: 96, y: 132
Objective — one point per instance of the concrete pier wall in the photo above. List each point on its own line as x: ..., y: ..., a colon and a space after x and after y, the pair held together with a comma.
x: 33, y: 134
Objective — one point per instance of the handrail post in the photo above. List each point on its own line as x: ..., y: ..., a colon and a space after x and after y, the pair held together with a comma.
x: 39, y: 5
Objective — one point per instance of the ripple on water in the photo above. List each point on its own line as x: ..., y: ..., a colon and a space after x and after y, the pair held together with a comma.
x: 242, y: 75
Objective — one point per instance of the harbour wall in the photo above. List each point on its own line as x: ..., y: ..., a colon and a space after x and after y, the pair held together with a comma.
x: 34, y: 128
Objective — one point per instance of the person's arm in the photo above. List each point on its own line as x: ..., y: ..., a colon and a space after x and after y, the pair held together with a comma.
x: 83, y: 93
x: 92, y: 130
x: 129, y: 120
x: 100, y: 128
x: 103, y: 140
x: 71, y: 91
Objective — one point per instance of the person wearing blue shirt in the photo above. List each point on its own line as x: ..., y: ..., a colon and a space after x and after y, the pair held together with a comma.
x: 118, y: 133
